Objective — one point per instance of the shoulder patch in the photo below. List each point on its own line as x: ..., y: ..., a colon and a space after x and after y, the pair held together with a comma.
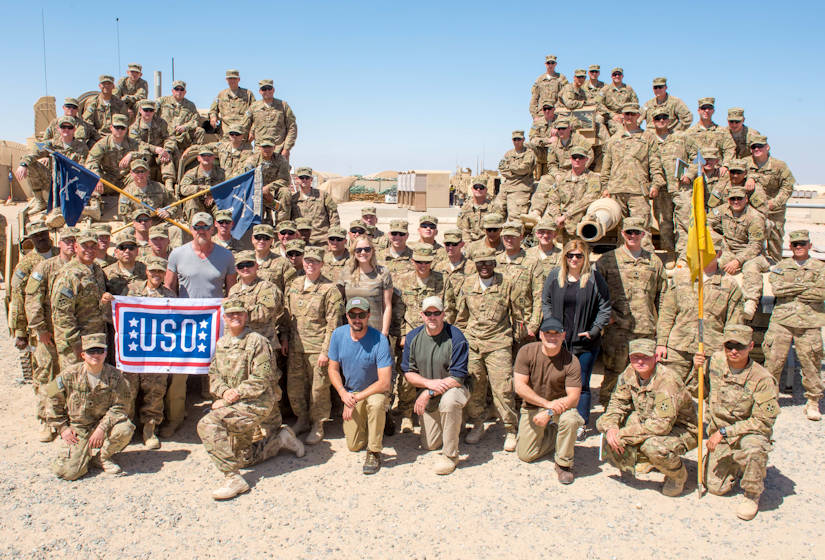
x: 67, y: 292
x: 776, y: 269
x: 37, y: 276
x: 55, y: 387
x: 663, y: 405
x: 20, y: 274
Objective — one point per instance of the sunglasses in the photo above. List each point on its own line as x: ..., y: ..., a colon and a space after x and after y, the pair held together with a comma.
x: 234, y: 134
x: 178, y: 89
x: 358, y: 231
x: 304, y: 177
x: 224, y: 222
x: 616, y: 74
x: 293, y: 254
x: 422, y: 262
x: 479, y: 187
x: 594, y: 71
x: 661, y: 118
x: 733, y: 122
x: 129, y: 247
x: 632, y: 232
x: 575, y: 255
x: 201, y: 227
x: 335, y: 239
x: 398, y: 233
x: 360, y: 250
x: 547, y: 108
x: 145, y: 219
x: 492, y: 229
x: 485, y: 264
x: 451, y: 243
x: 658, y: 87
x: 736, y: 198
x: 799, y: 244
x: 118, y: 127
x: 261, y: 237
x: 734, y: 346
x: 736, y: 172
x: 428, y: 225
x: 287, y: 231
x: 706, y: 108
x: 244, y: 265
x: 140, y: 171
x: 577, y: 157
x: 147, y: 110
x: 96, y: 351
x: 757, y: 146
x: 66, y: 126
x: 432, y: 313
x: 267, y: 88
x: 357, y: 315
x: 626, y: 113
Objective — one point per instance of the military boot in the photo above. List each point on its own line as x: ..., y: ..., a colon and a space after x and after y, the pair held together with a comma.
x: 46, y: 433
x: 288, y: 441
x: 37, y: 204
x: 232, y: 486
x: 301, y: 425
x: 674, y: 482
x: 475, y: 433
x: 748, y: 506
x: 94, y: 209
x: 407, y: 425
x: 510, y: 442
x: 109, y: 466
x: 445, y: 465
x: 150, y: 440
x: 316, y: 434
x: 812, y: 410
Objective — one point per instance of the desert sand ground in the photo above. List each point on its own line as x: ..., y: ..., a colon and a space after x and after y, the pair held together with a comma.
x: 322, y: 506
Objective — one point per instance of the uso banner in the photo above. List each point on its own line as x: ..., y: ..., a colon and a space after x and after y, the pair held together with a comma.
x: 160, y: 335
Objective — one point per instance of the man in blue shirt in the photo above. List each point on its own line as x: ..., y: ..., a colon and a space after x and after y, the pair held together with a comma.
x: 360, y: 369
x: 435, y: 361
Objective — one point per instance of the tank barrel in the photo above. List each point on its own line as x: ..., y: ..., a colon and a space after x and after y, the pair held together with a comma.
x: 601, y: 217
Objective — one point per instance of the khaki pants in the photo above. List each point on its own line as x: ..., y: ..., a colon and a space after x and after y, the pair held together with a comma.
x: 441, y: 427
x: 535, y: 442
x: 175, y: 400
x: 366, y: 427
x: 808, y: 343
x: 614, y: 358
x: 307, y: 387
x: 746, y: 456
x: 498, y: 366
x: 73, y: 461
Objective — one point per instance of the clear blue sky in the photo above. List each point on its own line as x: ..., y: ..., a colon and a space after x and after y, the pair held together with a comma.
x: 395, y: 85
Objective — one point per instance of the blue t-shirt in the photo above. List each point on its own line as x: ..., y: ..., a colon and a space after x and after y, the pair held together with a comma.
x: 360, y: 359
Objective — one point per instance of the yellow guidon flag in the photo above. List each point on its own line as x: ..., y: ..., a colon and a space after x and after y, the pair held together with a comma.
x: 700, y: 249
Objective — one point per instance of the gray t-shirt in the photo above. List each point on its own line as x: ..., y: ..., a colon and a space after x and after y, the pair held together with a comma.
x: 201, y: 278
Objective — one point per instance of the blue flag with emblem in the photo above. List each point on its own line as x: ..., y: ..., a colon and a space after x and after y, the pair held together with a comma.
x: 73, y: 187
x: 243, y: 196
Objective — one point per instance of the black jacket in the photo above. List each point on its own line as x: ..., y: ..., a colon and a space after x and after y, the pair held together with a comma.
x: 592, y: 307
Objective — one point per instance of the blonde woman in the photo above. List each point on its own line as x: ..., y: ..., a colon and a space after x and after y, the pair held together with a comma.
x: 363, y: 277
x: 577, y: 295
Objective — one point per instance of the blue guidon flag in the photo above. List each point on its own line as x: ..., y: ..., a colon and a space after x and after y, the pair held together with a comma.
x: 163, y: 335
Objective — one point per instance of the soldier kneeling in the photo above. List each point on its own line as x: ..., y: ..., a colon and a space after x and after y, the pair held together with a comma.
x: 242, y: 382
x: 87, y: 407
x: 650, y: 421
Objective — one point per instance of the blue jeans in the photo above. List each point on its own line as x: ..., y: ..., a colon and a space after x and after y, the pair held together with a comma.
x: 586, y: 361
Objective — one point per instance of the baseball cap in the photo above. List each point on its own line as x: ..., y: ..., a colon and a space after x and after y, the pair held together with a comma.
x: 358, y: 303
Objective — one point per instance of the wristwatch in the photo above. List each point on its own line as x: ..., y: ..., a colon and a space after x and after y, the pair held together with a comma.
x: 431, y: 392
x: 724, y: 432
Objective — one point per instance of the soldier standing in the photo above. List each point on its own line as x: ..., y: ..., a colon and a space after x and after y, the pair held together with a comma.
x: 517, y: 169
x: 542, y: 258
x: 271, y: 266
x: 546, y: 88
x: 455, y: 268
x: 380, y: 239
x: 273, y: 118
x: 127, y: 269
x: 679, y: 116
x: 101, y: 109
x: 314, y: 205
x: 593, y: 86
x: 492, y: 223
x: 336, y: 256
x: 708, y: 133
x: 541, y: 133
x: 513, y: 265
x: 651, y: 419
x: 182, y: 117
x: 397, y: 257
x: 231, y: 106
x: 242, y: 382
x: 798, y: 284
x: 223, y: 233
x: 636, y: 280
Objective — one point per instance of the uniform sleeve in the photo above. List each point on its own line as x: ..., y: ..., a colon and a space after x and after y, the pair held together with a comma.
x: 660, y: 423
x: 534, y: 108
x: 95, y: 156
x: 684, y: 116
x: 64, y: 296
x: 462, y: 310
x: 260, y: 370
x: 607, y: 163
x: 291, y: 127
x: 814, y: 292
x: 667, y: 316
x: 786, y: 182
x: 34, y: 299
x: 57, y: 416
x: 728, y: 149
x: 334, y: 313
x: 332, y: 211
x: 17, y: 306
x: 602, y: 293
x: 763, y: 413
x: 214, y: 109
x: 568, y: 98
x: 216, y: 384
x: 657, y: 175
x: 784, y: 282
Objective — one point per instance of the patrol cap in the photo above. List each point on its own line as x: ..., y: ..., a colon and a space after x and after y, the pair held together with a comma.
x: 223, y: 215
x: 492, y: 220
x: 452, y: 235
x: 65, y: 120
x: 423, y: 253
x: 578, y: 151
x: 337, y: 232
x: 518, y: 134
x: 630, y: 108
x: 550, y: 58
x: 263, y: 229
x: 618, y: 69
x: 643, y: 346
x: 313, y: 252
x: 633, y: 223
x: 738, y: 165
x: 551, y: 324
x: 546, y: 223
x: 85, y: 236
x: 579, y: 73
x: 742, y: 334
x: 512, y: 228
x: 548, y: 105
x: 432, y: 301
x: 245, y: 256
x: 236, y: 129
x: 757, y: 140
x: 90, y: 341
x: 68, y: 231
x: 205, y: 151
x: 156, y: 263
x: 233, y: 306
x: 734, y: 190
x: 303, y: 223
x: 146, y: 104
x: 159, y: 230
x: 736, y: 114
x: 125, y: 238
x: 105, y: 78
x: 263, y: 83
x: 562, y: 122
x: 303, y: 171
x: 135, y: 66
x: 710, y: 152
x: 70, y: 102
x: 232, y: 73
x: 357, y: 224
x: 479, y: 180
x: 399, y: 226
x: 102, y: 229
x: 660, y: 81
x: 120, y: 120
x: 659, y: 110
x: 484, y: 254
x: 368, y: 211
x: 705, y: 101
x: 295, y: 245
x: 143, y: 211
x: 202, y: 218
x: 287, y: 225
x: 594, y: 68
x: 36, y: 227
x: 428, y: 219
x: 799, y: 235
x: 358, y: 303
x: 267, y: 142
x: 138, y: 164
x: 178, y: 83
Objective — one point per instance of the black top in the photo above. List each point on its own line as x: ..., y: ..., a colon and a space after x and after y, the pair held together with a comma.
x: 570, y: 292
x: 592, y: 310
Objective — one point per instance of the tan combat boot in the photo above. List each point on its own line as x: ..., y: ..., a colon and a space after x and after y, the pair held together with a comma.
x: 407, y: 425
x: 46, y: 433
x: 288, y: 441
x: 812, y: 411
x: 475, y: 433
x: 37, y: 204
x: 674, y: 482
x: 301, y: 425
x: 232, y: 486
x: 316, y: 434
x: 748, y: 506
x: 150, y: 440
x: 510, y: 442
x: 445, y: 465
x: 109, y: 466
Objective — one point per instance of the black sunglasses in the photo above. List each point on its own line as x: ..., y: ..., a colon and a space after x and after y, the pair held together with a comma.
x: 147, y: 109
x: 575, y: 255
x: 799, y: 243
x: 128, y: 247
x: 357, y: 315
x: 294, y: 254
x: 479, y: 187
x: 428, y: 225
x: 335, y: 239
x: 266, y: 88
x: 398, y: 233
x: 451, y: 243
x: 224, y: 222
x: 144, y: 219
x: 95, y: 351
x: 243, y: 265
x: 234, y: 134
x: 66, y: 126
x: 492, y: 229
x: 616, y: 74
x: 634, y: 232
x: 201, y: 227
x: 261, y: 237
x: 736, y: 198
x: 577, y: 156
x: 178, y: 88
x: 118, y: 127
x: 358, y: 231
x: 661, y: 117
x: 363, y: 249
x: 734, y: 346
x: 658, y: 87
x: 432, y: 313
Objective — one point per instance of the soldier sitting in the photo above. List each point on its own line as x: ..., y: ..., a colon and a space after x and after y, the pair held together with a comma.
x: 650, y: 421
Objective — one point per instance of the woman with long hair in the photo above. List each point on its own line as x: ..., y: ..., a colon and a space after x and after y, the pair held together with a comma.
x: 577, y: 295
x: 364, y: 277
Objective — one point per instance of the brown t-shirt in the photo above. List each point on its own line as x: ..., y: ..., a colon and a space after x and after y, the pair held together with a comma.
x: 548, y: 376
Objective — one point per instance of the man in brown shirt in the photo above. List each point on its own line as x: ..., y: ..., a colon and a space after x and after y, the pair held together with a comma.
x: 548, y: 379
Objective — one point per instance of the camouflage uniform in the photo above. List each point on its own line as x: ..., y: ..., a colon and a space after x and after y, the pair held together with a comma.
x: 656, y: 421
x: 40, y: 175
x: 485, y: 318
x: 798, y: 317
x: 83, y: 131
x: 454, y: 276
x: 131, y: 92
x: 18, y: 324
x: 99, y: 114
x: 570, y: 197
x: 232, y: 109
x: 195, y: 180
x: 517, y: 170
x: 745, y: 405
x: 637, y: 287
x: 320, y: 209
x: 274, y: 120
x: 276, y: 269
x: 470, y: 218
x: 558, y: 152
x: 715, y: 136
x: 241, y: 363
x: 117, y: 278
x: 677, y: 110
x: 276, y: 176
x: 572, y: 97
x: 77, y: 309
x: 183, y: 114
x: 476, y: 246
x: 517, y: 271
x: 73, y: 402
x: 743, y: 235
x: 539, y: 265
x: 678, y: 325
x: 333, y: 267
x: 742, y: 140
x: 540, y: 135
x: 313, y: 313
x: 545, y: 91
x: 613, y: 99
x: 593, y: 92
x: 777, y: 182
x: 233, y: 160
x: 154, y: 194
x: 152, y: 136
x: 104, y: 159
x: 397, y: 265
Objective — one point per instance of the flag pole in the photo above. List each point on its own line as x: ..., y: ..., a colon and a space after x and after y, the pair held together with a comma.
x: 701, y: 373
x: 129, y: 196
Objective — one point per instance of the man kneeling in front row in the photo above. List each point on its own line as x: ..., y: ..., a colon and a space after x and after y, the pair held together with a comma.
x: 242, y: 382
x: 548, y: 379
x: 435, y: 361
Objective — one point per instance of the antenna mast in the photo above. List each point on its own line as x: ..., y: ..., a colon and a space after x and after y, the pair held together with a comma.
x: 43, y: 30
x: 117, y: 34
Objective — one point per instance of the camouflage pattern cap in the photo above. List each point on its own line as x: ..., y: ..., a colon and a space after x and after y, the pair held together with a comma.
x: 738, y: 165
x: 102, y: 229
x: 630, y: 108
x: 594, y: 68
x: 358, y: 303
x: 156, y: 263
x: 618, y: 69
x: 234, y: 306
x: 138, y: 164
x: 105, y: 78
x: 634, y: 223
x: 295, y: 245
x: 267, y: 142
x: 146, y: 104
x: 579, y: 73
x: 452, y: 235
x: 357, y: 224
x: 561, y: 122
x: 232, y: 73
x: 578, y: 151
x: 303, y: 171
x: 303, y: 223
x: 736, y: 114
x: 263, y: 83
x: 369, y: 211
x: 484, y: 254
x: 518, y: 134
x: 125, y: 238
x: 178, y: 83
x: 737, y: 191
x: 36, y: 227
x: 235, y: 129
x: 643, y: 346
x: 68, y: 232
x: 245, y: 256
x: 479, y: 180
x: 492, y: 220
x: 143, y: 211
x: 135, y: 66
x: 263, y: 229
x: 423, y: 253
x: 337, y: 231
x: 710, y: 152
x: 550, y: 58
x: 742, y: 334
x: 85, y: 236
x: 205, y: 150
x: 287, y: 225
x: 758, y: 140
x: 65, y: 120
x: 90, y: 341
x: 660, y: 81
x: 512, y: 228
x: 546, y: 223
x: 316, y: 253
x: 120, y: 120
x: 159, y: 230
x: 659, y: 111
x: 223, y: 215
x: 428, y: 219
x: 707, y: 101
x: 399, y: 226
x: 799, y: 235
x: 70, y: 102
